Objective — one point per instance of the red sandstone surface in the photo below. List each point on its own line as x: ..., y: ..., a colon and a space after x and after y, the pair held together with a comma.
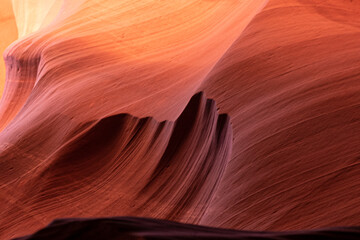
x: 234, y: 114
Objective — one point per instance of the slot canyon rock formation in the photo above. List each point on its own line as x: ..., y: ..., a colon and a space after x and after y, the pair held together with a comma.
x: 236, y: 114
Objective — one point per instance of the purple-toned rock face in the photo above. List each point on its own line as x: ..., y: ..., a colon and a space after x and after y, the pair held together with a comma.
x: 239, y: 114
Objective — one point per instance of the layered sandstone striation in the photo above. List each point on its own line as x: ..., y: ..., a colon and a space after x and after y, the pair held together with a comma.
x: 102, y: 116
x: 119, y: 165
x: 116, y: 56
x: 291, y: 86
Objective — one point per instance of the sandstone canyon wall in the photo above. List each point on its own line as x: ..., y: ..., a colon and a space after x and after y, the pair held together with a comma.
x: 235, y: 114
x: 291, y: 86
x: 8, y: 34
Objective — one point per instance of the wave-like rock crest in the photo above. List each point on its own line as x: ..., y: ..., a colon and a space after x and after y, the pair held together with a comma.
x: 119, y: 165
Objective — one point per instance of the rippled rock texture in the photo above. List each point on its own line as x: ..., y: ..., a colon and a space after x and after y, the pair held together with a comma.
x: 235, y: 114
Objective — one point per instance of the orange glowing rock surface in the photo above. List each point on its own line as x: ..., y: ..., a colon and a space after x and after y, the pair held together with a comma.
x: 237, y: 114
x: 8, y: 34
